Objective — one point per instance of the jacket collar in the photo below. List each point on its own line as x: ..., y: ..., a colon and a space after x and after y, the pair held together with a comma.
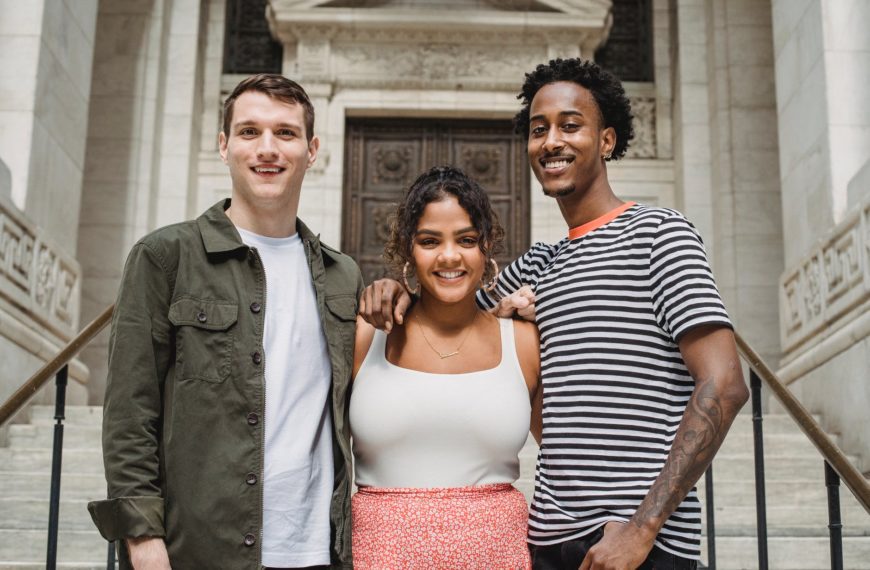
x: 219, y: 235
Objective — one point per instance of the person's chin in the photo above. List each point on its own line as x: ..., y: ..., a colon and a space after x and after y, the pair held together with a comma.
x: 559, y: 191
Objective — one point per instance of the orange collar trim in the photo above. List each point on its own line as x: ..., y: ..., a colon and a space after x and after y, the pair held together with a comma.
x: 581, y: 231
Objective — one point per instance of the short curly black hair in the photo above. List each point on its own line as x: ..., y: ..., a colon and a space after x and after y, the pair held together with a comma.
x: 431, y: 186
x: 614, y: 106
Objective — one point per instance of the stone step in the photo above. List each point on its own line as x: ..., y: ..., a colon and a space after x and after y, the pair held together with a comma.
x: 60, y: 566
x: 73, y: 546
x: 91, y: 415
x: 75, y: 436
x: 788, y: 553
x: 86, y: 461
x: 32, y: 514
x: 32, y: 485
x: 796, y: 444
x: 774, y: 423
x: 780, y: 492
x: 802, y: 521
x: 736, y: 467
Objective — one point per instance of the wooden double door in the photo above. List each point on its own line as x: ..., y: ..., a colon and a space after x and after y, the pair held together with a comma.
x: 384, y: 156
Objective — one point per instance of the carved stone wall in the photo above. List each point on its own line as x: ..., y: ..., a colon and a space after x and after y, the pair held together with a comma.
x: 36, y: 277
x: 644, y: 143
x: 832, y: 281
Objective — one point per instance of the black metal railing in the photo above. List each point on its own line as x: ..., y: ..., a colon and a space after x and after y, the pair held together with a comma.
x: 59, y: 368
x: 836, y: 464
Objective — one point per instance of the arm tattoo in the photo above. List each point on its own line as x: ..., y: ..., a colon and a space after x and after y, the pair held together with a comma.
x: 697, y: 439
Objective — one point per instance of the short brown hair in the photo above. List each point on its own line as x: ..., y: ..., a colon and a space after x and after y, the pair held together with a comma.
x: 277, y: 87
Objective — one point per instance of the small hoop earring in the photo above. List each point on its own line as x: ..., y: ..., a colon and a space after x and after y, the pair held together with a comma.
x: 488, y: 287
x: 416, y: 289
x: 606, y: 156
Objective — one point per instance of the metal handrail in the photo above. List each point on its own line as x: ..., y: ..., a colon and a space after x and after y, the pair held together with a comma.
x: 27, y: 390
x: 850, y: 475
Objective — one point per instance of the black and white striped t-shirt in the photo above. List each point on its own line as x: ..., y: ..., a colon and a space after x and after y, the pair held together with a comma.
x: 611, y: 306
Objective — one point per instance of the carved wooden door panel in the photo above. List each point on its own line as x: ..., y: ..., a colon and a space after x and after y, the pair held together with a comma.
x: 384, y: 156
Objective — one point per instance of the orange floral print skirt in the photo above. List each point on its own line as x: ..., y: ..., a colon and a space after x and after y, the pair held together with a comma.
x: 440, y: 529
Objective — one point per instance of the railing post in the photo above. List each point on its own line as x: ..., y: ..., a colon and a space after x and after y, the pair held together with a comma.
x: 835, y: 524
x: 758, y: 445
x: 56, y: 457
x: 711, y: 519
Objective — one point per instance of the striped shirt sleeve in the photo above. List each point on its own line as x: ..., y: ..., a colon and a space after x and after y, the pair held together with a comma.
x: 684, y: 293
x: 525, y: 270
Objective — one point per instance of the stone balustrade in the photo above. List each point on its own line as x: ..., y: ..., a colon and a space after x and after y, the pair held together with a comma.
x: 37, y: 278
x: 828, y: 291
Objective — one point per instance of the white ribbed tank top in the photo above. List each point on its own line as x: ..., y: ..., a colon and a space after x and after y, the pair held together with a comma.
x: 424, y: 430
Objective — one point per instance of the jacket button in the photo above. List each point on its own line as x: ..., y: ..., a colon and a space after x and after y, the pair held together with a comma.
x: 256, y: 357
x: 250, y: 539
x: 255, y: 307
x: 201, y: 316
x: 253, y: 419
x: 251, y: 478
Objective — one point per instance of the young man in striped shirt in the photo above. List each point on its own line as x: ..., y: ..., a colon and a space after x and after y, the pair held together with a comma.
x: 640, y: 370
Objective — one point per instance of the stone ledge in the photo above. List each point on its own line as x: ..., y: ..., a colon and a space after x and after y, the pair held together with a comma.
x: 36, y: 275
x: 827, y: 288
x: 38, y: 344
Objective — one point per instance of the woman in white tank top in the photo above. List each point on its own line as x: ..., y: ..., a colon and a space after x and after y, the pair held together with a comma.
x: 442, y: 405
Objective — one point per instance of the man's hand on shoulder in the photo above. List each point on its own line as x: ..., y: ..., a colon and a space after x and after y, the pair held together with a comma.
x: 148, y: 553
x: 624, y: 546
x: 520, y: 303
x: 384, y: 302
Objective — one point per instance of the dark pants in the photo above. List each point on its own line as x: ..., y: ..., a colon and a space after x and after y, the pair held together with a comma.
x: 570, y: 554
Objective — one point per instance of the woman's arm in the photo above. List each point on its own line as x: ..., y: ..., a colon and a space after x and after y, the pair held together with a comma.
x: 362, y: 341
x: 528, y: 345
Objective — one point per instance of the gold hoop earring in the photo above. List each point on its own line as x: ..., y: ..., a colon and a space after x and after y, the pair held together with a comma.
x: 488, y: 287
x: 416, y: 289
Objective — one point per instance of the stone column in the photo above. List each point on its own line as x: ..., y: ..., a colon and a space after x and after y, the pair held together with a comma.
x: 746, y: 199
x: 822, y: 55
x: 46, y: 53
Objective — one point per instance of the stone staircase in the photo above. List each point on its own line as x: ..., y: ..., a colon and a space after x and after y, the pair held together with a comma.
x: 796, y: 497
x: 25, y: 481
x: 797, y: 512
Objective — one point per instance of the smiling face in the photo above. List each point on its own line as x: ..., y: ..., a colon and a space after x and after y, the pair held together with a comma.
x: 566, y: 142
x: 267, y: 152
x: 446, y: 252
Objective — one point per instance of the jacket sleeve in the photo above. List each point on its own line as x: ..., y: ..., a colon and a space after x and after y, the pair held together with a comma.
x: 140, y: 351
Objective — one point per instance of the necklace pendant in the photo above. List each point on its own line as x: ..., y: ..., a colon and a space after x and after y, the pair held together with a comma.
x: 443, y: 356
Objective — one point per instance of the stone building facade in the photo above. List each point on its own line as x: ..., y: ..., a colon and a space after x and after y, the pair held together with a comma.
x: 751, y: 119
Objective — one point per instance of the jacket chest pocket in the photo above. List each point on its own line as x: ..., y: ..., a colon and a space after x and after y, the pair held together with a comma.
x: 203, y: 337
x: 341, y: 318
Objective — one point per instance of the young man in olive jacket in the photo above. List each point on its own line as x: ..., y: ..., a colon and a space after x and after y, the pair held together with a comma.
x: 225, y: 435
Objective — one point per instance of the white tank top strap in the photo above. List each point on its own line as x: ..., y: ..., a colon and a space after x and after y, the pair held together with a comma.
x: 376, y: 354
x: 510, y: 360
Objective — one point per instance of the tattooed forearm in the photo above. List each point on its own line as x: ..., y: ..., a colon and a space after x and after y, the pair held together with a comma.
x: 705, y: 422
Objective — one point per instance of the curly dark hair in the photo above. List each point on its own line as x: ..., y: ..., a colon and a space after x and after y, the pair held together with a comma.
x: 431, y: 186
x: 613, y: 105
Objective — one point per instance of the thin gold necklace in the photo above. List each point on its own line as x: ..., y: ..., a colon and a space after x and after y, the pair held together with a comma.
x: 444, y: 355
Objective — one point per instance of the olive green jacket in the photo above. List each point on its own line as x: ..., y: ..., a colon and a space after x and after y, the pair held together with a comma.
x: 183, y: 434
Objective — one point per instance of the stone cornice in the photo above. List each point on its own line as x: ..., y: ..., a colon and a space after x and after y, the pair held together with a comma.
x: 290, y: 22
